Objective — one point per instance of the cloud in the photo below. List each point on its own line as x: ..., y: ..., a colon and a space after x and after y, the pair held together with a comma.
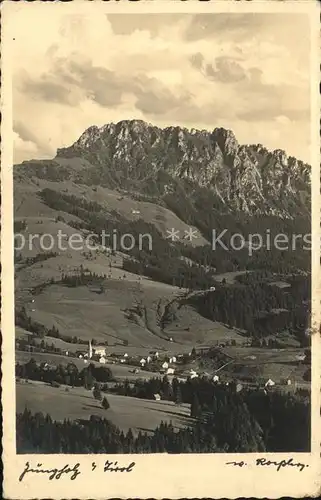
x: 225, y: 69
x: 238, y: 71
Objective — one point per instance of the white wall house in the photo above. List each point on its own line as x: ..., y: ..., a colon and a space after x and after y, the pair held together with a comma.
x: 193, y: 374
x: 170, y: 371
x: 143, y: 362
x: 165, y: 365
x: 216, y: 378
x: 102, y: 360
x: 100, y: 351
x: 269, y: 383
x: 157, y: 397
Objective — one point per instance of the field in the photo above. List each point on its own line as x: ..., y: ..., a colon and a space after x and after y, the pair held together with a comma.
x: 277, y: 364
x: 125, y: 412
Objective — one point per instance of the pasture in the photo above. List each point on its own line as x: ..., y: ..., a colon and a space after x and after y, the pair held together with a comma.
x: 79, y: 403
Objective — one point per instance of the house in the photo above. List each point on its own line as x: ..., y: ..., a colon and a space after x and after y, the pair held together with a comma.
x: 212, y: 289
x: 123, y: 360
x: 165, y: 365
x: 125, y: 355
x: 149, y: 359
x: 239, y: 387
x: 171, y: 339
x: 102, y: 360
x: 172, y: 360
x: 135, y: 212
x: 289, y: 382
x: 155, y: 354
x: 269, y: 383
x: 100, y: 351
x: 193, y: 374
x: 143, y: 362
x: 157, y: 397
x: 216, y: 378
x: 170, y: 371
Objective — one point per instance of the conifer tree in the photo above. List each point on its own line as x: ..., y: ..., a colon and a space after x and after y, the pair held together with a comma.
x: 105, y: 403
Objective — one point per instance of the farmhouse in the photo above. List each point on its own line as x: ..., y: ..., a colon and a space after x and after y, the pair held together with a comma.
x: 165, y: 365
x: 216, y: 378
x: 170, y: 371
x: 269, y: 383
x: 157, y: 397
x: 102, y: 360
x: 143, y: 362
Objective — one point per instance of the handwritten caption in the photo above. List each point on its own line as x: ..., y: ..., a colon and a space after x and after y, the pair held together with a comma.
x: 73, y: 471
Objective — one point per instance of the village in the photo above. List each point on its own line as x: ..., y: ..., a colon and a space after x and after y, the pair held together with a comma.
x: 207, y: 363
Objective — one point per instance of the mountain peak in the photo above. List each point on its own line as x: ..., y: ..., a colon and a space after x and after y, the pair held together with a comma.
x: 135, y: 155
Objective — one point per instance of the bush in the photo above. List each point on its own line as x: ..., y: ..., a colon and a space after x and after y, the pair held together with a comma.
x: 105, y: 404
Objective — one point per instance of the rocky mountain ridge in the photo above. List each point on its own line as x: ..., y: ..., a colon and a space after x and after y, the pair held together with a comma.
x: 135, y: 156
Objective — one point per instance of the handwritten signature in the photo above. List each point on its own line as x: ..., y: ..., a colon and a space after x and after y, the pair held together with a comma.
x: 279, y: 465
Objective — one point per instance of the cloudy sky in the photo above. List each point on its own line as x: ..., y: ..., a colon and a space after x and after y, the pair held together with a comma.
x: 248, y: 72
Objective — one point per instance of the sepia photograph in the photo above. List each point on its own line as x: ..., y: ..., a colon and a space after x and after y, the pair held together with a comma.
x: 161, y: 234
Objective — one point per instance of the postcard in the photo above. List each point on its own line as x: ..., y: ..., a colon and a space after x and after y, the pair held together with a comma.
x: 160, y: 216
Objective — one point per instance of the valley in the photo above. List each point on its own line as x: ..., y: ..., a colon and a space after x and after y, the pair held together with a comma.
x: 160, y: 330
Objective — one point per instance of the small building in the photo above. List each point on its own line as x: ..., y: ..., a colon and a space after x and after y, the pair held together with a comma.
x: 102, y: 360
x: 239, y: 387
x: 212, y: 289
x: 170, y: 371
x: 216, y: 378
x: 269, y: 383
x: 289, y: 382
x: 149, y: 359
x: 193, y: 374
x: 165, y: 365
x: 143, y: 362
x: 125, y: 355
x: 123, y: 360
x: 100, y: 351
x: 171, y: 339
x: 157, y: 397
